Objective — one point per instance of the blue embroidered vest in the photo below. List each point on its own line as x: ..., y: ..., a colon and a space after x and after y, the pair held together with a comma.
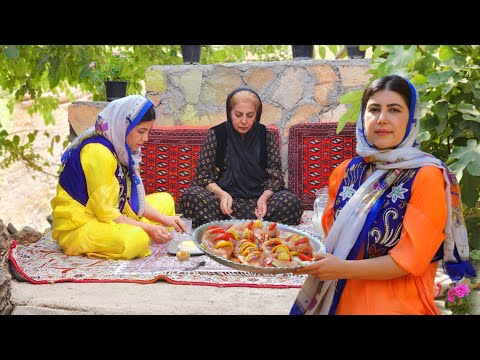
x: 385, y: 231
x: 72, y: 177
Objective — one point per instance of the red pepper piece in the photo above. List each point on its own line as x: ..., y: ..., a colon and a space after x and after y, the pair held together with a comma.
x: 304, y: 257
x: 272, y: 226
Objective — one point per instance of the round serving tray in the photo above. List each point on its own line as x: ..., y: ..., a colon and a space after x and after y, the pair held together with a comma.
x: 316, y: 243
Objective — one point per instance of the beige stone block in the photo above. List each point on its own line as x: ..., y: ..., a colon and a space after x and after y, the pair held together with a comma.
x: 334, y: 114
x: 290, y: 88
x: 190, y: 83
x: 154, y: 98
x: 323, y: 73
x: 271, y: 115
x: 83, y: 114
x: 164, y: 120
x: 259, y: 78
x: 325, y: 94
x: 303, y: 114
x: 354, y: 75
x: 221, y: 81
x: 155, y: 79
x: 212, y: 119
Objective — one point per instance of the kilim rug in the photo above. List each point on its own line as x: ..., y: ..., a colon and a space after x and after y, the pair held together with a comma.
x: 44, y: 263
x: 170, y: 156
x: 314, y: 151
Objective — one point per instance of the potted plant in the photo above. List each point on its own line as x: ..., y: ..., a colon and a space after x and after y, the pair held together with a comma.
x: 111, y: 74
x: 191, y: 53
x: 354, y: 52
x: 302, y: 51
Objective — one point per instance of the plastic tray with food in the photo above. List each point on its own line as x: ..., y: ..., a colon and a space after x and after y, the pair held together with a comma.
x: 257, y: 246
x: 183, y: 241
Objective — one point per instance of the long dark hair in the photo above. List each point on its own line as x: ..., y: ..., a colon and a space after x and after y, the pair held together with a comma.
x: 149, y: 115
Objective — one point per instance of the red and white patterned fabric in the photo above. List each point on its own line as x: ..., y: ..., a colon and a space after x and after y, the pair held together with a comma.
x: 314, y: 150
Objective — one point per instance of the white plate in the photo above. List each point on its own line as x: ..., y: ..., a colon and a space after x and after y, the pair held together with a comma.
x: 172, y: 246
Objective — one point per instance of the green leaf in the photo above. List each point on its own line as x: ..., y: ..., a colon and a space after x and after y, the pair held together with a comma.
x: 351, y: 115
x: 470, y: 112
x: 11, y: 52
x: 470, y: 186
x: 469, y: 156
x: 441, y: 109
x: 424, y: 136
x: 418, y: 80
x: 351, y: 97
x: 429, y: 122
x: 445, y: 53
x: 333, y: 49
x: 401, y: 58
x: 322, y: 51
x: 457, y: 168
x: 440, y: 77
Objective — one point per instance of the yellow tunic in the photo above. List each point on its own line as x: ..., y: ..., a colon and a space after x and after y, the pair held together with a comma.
x: 90, y: 229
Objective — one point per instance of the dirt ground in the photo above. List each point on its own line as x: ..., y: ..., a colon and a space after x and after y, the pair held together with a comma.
x: 24, y: 194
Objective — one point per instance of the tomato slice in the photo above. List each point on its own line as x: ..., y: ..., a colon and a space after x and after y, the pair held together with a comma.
x: 302, y: 240
x: 216, y: 231
x: 304, y: 257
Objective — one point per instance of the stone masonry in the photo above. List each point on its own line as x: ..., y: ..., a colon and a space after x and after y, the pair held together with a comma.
x: 292, y: 92
x: 5, y: 277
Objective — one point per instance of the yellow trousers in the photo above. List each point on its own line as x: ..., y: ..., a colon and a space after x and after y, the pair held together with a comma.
x: 111, y: 240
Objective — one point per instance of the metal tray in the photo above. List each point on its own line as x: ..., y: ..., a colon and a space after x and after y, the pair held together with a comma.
x: 316, y: 243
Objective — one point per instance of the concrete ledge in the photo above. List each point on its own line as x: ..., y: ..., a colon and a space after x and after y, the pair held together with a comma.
x: 160, y: 298
x: 32, y: 310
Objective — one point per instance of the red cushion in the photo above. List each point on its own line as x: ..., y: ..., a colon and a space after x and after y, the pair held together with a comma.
x: 170, y: 157
x: 314, y: 150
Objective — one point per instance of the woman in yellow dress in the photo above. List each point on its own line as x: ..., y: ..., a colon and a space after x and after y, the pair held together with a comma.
x: 101, y: 209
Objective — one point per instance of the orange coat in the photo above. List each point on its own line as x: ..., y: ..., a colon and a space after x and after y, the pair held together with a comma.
x: 421, y: 236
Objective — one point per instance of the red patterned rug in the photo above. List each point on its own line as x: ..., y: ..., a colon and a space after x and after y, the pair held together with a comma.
x: 170, y: 157
x: 45, y: 263
x: 314, y: 151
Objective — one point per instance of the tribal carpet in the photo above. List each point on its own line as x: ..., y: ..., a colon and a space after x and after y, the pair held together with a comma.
x: 314, y: 151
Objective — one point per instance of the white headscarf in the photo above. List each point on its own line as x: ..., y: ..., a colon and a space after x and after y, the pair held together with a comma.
x: 316, y: 296
x: 115, y: 123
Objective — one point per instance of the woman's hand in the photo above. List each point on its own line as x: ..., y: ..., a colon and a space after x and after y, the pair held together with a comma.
x: 325, y: 267
x: 226, y: 202
x: 261, y: 209
x: 175, y: 222
x: 158, y: 234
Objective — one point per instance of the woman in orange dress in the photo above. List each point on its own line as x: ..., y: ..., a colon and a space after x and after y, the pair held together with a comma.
x: 390, y: 210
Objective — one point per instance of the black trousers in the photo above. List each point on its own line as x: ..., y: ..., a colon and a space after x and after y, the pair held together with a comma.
x: 202, y: 207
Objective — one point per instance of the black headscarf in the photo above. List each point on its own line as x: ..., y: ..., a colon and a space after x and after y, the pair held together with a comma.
x: 245, y: 175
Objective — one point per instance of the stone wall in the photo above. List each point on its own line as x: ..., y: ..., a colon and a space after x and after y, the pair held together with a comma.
x: 5, y: 278
x: 297, y: 91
